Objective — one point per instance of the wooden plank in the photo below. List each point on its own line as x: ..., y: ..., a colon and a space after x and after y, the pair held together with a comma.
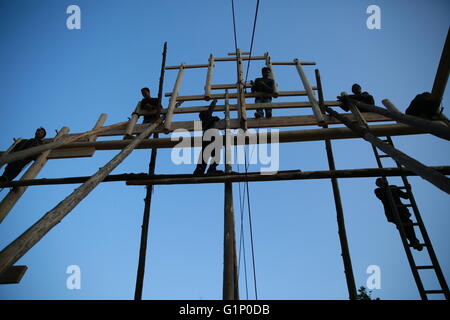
x: 269, y: 65
x: 290, y: 63
x: 13, y: 274
x: 187, y: 66
x: 72, y: 153
x: 19, y: 247
x: 14, y: 195
x: 310, y: 93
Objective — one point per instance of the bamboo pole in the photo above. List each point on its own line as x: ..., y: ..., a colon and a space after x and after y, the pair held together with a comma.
x: 219, y: 96
x: 14, y: 195
x: 20, y: 246
x: 310, y: 93
x: 209, y: 77
x: 61, y: 143
x: 173, y: 99
x: 346, y: 259
x: 168, y: 179
x: 425, y: 172
x: 435, y: 128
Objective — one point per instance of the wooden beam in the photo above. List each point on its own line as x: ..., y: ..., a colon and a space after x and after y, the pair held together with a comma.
x: 173, y: 99
x: 171, y: 179
x: 290, y: 63
x: 220, y: 96
x: 13, y: 274
x: 14, y: 195
x: 187, y: 66
x: 71, y: 153
x: 240, y: 94
x: 8, y: 151
x: 14, y: 251
x: 285, y: 136
x: 100, y: 122
x: 440, y: 81
x: 310, y: 93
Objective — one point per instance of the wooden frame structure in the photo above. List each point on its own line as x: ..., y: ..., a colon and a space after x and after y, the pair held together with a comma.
x: 356, y: 125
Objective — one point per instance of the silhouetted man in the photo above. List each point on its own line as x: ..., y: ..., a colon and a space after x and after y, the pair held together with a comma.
x: 381, y: 193
x: 208, y: 121
x: 424, y: 105
x: 266, y: 87
x: 357, y: 95
x: 13, y: 169
x: 150, y: 106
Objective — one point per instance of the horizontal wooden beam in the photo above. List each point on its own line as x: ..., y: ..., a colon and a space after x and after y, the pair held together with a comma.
x: 187, y: 66
x: 144, y: 178
x: 13, y: 274
x: 281, y: 175
x: 284, y: 136
x: 234, y: 95
x: 291, y: 63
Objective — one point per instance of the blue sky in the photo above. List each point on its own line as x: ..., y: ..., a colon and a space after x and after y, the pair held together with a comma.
x: 55, y: 77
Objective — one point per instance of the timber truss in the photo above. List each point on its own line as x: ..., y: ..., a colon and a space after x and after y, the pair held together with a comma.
x: 136, y: 136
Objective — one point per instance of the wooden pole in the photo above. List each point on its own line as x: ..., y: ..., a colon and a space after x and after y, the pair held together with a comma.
x: 148, y: 197
x: 169, y: 179
x: 14, y: 195
x: 241, y: 93
x: 8, y: 151
x: 440, y: 81
x: 230, y: 281
x: 173, y: 99
x: 348, y: 268
x: 435, y: 128
x: 55, y: 144
x: 209, y: 78
x: 101, y: 120
x: 425, y: 172
x: 269, y: 65
x: 132, y: 122
x: 20, y: 246
x: 309, y: 91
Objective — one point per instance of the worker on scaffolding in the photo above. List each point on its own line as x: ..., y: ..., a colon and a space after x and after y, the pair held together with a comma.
x: 150, y: 106
x: 13, y: 169
x: 357, y: 95
x: 265, y: 87
x: 382, y: 193
x: 208, y: 121
x: 426, y: 106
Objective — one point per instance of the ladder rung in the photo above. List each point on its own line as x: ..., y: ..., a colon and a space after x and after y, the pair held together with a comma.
x: 384, y: 156
x: 405, y: 205
x: 425, y: 267
x: 434, y: 291
x: 422, y: 244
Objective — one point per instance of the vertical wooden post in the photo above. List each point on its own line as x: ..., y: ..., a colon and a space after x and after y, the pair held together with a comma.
x: 315, y: 107
x: 440, y: 81
x: 269, y: 65
x: 148, y: 197
x: 240, y: 91
x: 101, y: 120
x: 15, y: 250
x: 356, y: 113
x: 132, y: 122
x: 348, y: 269
x: 14, y: 195
x: 230, y: 281
x: 209, y: 78
x: 173, y: 99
